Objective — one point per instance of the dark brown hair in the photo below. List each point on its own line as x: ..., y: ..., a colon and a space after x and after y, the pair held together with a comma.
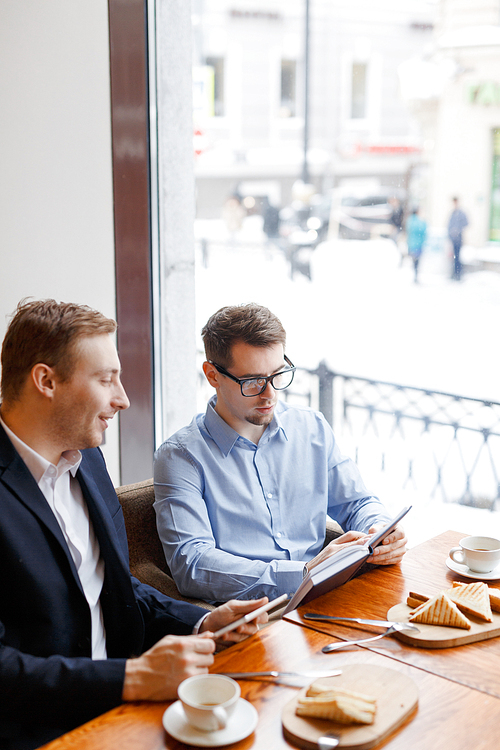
x: 46, y: 331
x: 250, y: 323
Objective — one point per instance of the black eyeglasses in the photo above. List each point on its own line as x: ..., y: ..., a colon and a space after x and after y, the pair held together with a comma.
x: 256, y: 386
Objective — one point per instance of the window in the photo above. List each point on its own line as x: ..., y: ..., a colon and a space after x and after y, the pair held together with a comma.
x: 495, y: 190
x: 217, y: 65
x: 288, y: 97
x: 358, y: 91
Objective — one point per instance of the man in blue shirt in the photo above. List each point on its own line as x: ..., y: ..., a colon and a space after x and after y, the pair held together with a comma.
x: 243, y: 492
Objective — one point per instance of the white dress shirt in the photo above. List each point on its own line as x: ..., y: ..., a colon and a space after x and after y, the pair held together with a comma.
x: 65, y: 498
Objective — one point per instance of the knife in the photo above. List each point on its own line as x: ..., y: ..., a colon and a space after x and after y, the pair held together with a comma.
x: 292, y: 679
x: 359, y: 620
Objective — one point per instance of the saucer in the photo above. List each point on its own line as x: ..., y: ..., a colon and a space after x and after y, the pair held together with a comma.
x: 241, y: 724
x: 466, y: 572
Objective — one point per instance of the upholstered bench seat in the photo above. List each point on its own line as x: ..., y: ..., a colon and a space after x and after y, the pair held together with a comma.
x: 147, y: 561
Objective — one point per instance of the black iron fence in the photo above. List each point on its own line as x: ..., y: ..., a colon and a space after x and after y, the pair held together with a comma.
x: 441, y: 444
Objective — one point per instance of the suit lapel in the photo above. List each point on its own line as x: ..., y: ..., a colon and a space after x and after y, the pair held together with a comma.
x: 16, y: 476
x: 103, y: 527
x: 123, y: 622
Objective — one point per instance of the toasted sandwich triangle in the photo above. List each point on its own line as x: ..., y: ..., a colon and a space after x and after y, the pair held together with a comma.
x: 472, y: 599
x: 440, y: 610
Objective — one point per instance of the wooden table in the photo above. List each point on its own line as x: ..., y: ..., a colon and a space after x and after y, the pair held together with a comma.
x: 459, y: 705
x: 372, y: 594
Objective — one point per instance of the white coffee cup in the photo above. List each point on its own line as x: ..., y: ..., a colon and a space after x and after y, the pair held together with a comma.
x: 481, y: 554
x: 208, y: 700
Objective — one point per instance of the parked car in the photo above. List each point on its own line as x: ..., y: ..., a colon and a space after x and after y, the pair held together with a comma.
x: 360, y: 214
x: 354, y: 213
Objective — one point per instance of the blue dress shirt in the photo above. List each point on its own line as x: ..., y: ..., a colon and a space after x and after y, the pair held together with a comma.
x: 238, y: 519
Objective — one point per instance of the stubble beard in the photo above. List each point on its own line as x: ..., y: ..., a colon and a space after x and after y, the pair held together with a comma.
x: 263, y: 420
x: 260, y: 419
x: 73, y: 434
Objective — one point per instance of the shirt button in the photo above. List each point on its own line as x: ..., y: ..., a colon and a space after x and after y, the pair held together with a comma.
x: 269, y: 495
x: 279, y: 535
x: 52, y: 471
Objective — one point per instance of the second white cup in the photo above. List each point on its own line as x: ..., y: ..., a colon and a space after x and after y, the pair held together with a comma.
x: 481, y: 554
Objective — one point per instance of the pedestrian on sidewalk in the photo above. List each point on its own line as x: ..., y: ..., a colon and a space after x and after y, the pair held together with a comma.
x: 416, y: 233
x: 456, y: 225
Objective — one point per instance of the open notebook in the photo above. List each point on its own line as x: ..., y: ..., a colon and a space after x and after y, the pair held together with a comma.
x: 339, y: 568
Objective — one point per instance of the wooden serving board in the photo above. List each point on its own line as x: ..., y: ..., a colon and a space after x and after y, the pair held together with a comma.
x: 397, y: 698
x: 436, y: 636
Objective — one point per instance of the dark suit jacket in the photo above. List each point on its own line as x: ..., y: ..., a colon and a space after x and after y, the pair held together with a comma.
x: 48, y: 682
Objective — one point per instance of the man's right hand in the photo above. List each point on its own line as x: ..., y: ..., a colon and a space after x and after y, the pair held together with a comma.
x: 156, y: 674
x: 346, y: 540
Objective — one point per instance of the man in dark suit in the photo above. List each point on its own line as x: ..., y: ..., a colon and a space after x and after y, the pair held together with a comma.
x: 78, y: 634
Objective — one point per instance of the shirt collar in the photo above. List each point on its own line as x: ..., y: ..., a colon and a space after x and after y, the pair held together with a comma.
x: 276, y: 424
x: 37, y: 464
x: 224, y: 435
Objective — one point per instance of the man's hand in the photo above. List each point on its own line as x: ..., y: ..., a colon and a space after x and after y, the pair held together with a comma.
x: 392, y: 549
x: 155, y: 675
x: 349, y: 539
x: 230, y: 612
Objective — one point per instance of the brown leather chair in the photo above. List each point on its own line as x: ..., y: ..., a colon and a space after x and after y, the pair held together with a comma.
x: 147, y: 561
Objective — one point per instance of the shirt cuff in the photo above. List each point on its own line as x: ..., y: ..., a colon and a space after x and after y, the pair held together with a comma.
x: 289, y: 575
x: 200, y: 622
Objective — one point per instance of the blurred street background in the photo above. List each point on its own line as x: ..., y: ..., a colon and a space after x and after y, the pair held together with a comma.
x: 361, y: 311
x: 320, y: 129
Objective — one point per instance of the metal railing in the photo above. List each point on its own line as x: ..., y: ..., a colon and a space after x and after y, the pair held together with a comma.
x: 441, y: 444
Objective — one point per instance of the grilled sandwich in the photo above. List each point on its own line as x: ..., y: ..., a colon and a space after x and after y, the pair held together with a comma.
x: 337, y: 704
x: 472, y: 599
x: 440, y: 610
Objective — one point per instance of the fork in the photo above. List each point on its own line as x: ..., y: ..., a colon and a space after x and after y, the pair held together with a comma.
x: 397, y: 626
x: 328, y: 741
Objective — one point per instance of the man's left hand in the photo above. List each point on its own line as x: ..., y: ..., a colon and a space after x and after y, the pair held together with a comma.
x: 392, y: 549
x: 230, y: 612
